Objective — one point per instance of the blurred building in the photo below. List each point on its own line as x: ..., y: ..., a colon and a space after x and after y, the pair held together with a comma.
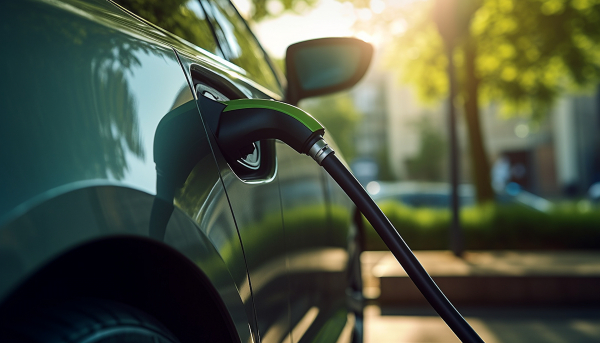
x: 577, y: 130
x: 557, y: 156
x: 526, y: 147
x: 371, y: 142
x: 370, y: 100
x: 403, y: 138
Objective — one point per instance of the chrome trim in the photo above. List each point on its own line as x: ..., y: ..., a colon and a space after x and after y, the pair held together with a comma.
x: 319, y: 151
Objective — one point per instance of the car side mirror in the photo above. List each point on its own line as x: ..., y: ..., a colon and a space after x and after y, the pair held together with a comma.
x: 326, y: 65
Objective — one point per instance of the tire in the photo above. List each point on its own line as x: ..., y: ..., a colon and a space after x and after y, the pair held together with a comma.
x: 87, y: 321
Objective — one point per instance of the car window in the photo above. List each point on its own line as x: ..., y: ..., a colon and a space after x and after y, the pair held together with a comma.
x: 184, y: 18
x: 238, y: 43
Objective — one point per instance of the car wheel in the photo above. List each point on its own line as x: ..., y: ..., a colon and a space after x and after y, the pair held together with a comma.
x: 87, y: 321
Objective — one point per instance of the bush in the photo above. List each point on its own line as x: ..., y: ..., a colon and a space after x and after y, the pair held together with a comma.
x: 493, y: 227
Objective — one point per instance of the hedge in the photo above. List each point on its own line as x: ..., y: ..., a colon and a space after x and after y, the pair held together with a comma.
x: 492, y: 226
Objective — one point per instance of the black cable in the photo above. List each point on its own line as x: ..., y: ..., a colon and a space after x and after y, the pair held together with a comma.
x: 303, y: 133
x: 401, y: 251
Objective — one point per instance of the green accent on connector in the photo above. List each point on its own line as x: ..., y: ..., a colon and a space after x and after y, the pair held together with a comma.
x: 302, y: 116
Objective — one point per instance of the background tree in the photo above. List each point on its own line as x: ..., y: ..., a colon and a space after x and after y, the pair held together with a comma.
x: 520, y: 53
x: 260, y: 9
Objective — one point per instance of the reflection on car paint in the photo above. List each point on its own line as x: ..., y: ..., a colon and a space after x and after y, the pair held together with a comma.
x: 84, y: 122
x: 239, y: 44
x: 258, y: 216
x: 82, y: 144
x: 185, y: 19
x: 316, y: 243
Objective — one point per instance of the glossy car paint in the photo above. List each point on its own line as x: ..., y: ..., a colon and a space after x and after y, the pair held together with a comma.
x: 85, y: 86
x: 280, y: 260
x: 317, y: 254
x: 79, y: 124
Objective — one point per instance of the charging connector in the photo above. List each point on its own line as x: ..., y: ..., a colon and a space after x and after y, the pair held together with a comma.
x: 238, y: 123
x: 319, y: 151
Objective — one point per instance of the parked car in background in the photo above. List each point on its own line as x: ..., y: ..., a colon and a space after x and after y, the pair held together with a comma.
x: 437, y: 195
x: 120, y: 219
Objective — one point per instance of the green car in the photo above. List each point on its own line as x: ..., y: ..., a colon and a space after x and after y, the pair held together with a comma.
x: 120, y: 218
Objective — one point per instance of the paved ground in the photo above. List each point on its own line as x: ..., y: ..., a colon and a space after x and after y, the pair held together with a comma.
x: 476, y: 263
x: 494, y: 325
x: 490, y: 278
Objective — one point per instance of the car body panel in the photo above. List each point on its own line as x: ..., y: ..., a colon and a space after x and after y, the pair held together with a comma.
x: 257, y: 211
x: 317, y: 261
x: 92, y: 116
x: 258, y: 216
x: 88, y: 85
x: 91, y: 214
x: 80, y: 135
x: 290, y: 248
x: 306, y: 260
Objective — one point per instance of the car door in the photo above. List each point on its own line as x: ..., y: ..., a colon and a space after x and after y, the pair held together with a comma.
x: 211, y: 207
x: 252, y: 184
x: 306, y: 260
x: 317, y: 224
x: 315, y: 228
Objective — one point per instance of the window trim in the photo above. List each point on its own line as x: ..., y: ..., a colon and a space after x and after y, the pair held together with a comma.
x: 279, y: 79
x: 220, y: 53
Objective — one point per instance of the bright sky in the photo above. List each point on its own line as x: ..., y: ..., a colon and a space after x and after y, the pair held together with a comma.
x: 329, y: 18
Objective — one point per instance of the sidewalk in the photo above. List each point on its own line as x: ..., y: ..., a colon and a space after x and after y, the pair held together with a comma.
x: 494, y: 325
x: 484, y: 278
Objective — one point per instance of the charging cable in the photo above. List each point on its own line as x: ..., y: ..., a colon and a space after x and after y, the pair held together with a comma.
x: 238, y: 123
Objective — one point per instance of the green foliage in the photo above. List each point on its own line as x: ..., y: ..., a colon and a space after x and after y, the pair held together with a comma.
x: 279, y: 63
x: 417, y: 54
x: 304, y: 226
x: 261, y: 9
x: 530, y: 51
x: 493, y: 227
x: 176, y: 17
x: 339, y: 117
x: 527, y: 51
